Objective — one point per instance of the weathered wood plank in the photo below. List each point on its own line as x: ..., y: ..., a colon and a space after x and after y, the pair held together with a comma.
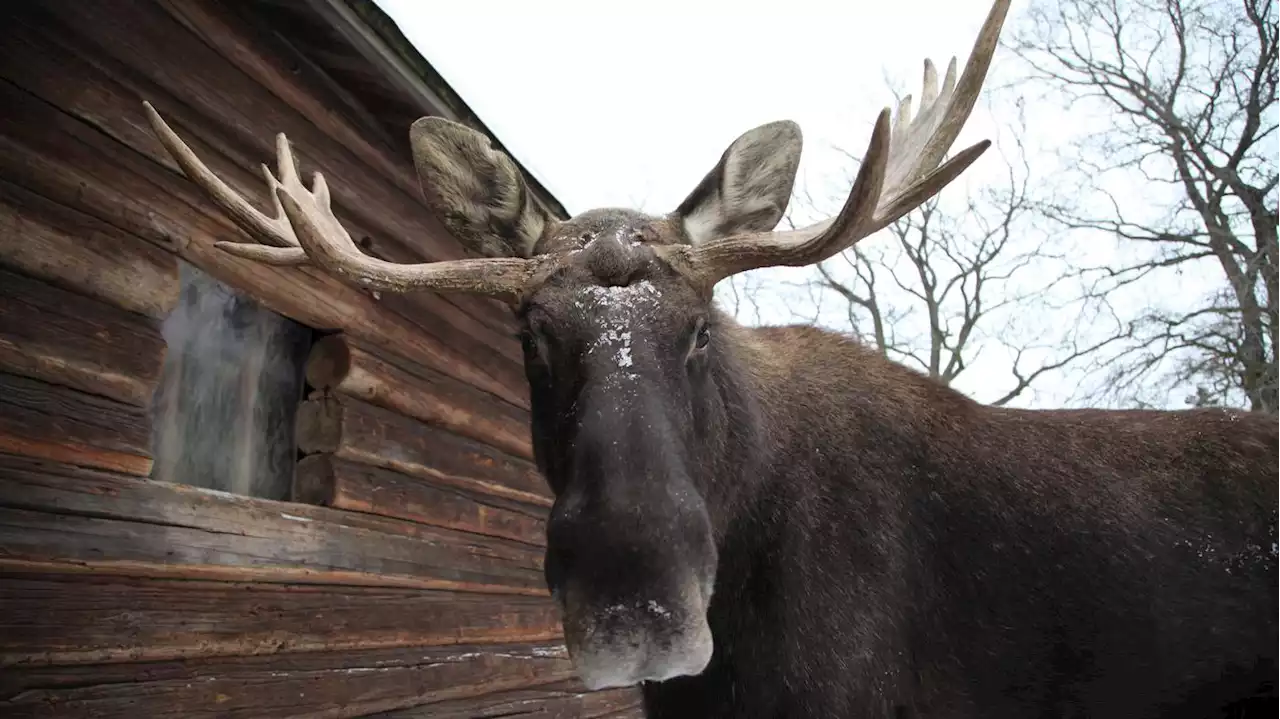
x: 261, y: 51
x: 77, y: 252
x: 72, y: 164
x: 43, y: 420
x: 241, y: 40
x: 58, y: 518
x: 68, y: 339
x: 60, y: 619
x: 235, y: 138
x: 338, y: 363
x: 360, y: 432
x: 325, y: 480
x: 314, y: 684
x: 563, y: 700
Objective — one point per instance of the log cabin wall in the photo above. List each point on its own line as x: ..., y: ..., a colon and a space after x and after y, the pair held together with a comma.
x: 230, y: 490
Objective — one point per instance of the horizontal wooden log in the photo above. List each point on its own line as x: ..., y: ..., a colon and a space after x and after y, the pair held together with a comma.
x: 231, y: 125
x: 256, y: 49
x: 57, y: 518
x: 75, y: 251
x: 68, y: 339
x: 360, y: 432
x: 325, y: 480
x: 60, y: 619
x: 61, y: 158
x: 314, y: 684
x: 338, y: 363
x: 564, y: 700
x: 46, y: 421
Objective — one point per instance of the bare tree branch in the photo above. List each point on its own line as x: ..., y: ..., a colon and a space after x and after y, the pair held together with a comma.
x: 1189, y: 91
x: 950, y: 273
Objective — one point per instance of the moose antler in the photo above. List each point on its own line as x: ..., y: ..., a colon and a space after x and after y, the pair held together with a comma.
x: 899, y: 172
x: 304, y: 229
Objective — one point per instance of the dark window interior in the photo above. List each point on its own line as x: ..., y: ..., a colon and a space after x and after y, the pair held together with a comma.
x: 223, y: 415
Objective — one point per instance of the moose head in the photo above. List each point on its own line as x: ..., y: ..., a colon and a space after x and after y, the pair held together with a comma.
x: 642, y: 394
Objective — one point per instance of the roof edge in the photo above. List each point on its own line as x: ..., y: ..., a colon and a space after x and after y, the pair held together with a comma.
x: 377, y: 37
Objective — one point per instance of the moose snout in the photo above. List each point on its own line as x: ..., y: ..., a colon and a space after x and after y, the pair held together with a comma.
x: 633, y: 581
x: 630, y: 553
x: 651, y: 636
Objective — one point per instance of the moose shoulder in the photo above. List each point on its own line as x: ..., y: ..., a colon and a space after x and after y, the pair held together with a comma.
x: 779, y: 522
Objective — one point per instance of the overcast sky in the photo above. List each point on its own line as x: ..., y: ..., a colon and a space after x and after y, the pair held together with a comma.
x: 612, y: 104
x: 630, y: 104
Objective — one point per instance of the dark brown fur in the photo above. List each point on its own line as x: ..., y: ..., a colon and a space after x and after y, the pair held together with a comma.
x: 954, y: 559
x: 851, y: 537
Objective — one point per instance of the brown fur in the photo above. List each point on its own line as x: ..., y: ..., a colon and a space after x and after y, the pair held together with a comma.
x: 853, y: 538
x: 1022, y: 562
x: 476, y: 191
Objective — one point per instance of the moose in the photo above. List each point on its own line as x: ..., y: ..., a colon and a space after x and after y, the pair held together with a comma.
x: 781, y: 522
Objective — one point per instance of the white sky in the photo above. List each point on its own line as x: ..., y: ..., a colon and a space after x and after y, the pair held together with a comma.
x: 613, y: 104
x: 630, y: 104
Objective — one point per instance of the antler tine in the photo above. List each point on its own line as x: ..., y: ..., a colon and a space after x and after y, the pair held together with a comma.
x: 717, y: 259
x: 274, y: 231
x: 305, y: 229
x: 904, y: 166
x: 329, y: 245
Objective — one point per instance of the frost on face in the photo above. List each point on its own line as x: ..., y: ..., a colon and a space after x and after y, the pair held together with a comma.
x: 618, y: 310
x: 658, y: 609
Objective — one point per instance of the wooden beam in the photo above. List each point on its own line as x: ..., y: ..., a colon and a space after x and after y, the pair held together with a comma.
x: 61, y: 619
x: 360, y: 432
x: 68, y: 339
x: 325, y: 480
x: 338, y: 363
x: 113, y: 76
x: 333, y: 685
x: 76, y: 165
x: 563, y: 700
x: 43, y: 420
x: 259, y: 48
x: 56, y: 518
x: 395, y: 65
x: 246, y: 41
x: 75, y: 251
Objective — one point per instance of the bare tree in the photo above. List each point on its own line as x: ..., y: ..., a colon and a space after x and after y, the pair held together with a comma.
x: 1182, y: 171
x: 949, y: 282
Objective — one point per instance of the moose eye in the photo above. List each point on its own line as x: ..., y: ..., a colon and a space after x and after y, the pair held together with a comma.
x: 703, y: 337
x: 530, y: 343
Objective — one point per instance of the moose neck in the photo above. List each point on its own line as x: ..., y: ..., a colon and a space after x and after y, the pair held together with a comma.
x: 808, y: 403
x: 826, y: 441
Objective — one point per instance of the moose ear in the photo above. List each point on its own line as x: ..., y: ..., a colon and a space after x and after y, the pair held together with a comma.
x: 749, y: 189
x: 477, y: 191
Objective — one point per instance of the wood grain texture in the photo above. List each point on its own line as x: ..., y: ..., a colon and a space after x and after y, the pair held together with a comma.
x: 234, y: 137
x: 339, y: 363
x: 58, y: 518
x: 132, y: 598
x: 361, y: 432
x: 43, y: 420
x: 331, y: 482
x: 78, y: 252
x: 313, y: 684
x: 563, y: 700
x: 61, y: 619
x: 68, y: 339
